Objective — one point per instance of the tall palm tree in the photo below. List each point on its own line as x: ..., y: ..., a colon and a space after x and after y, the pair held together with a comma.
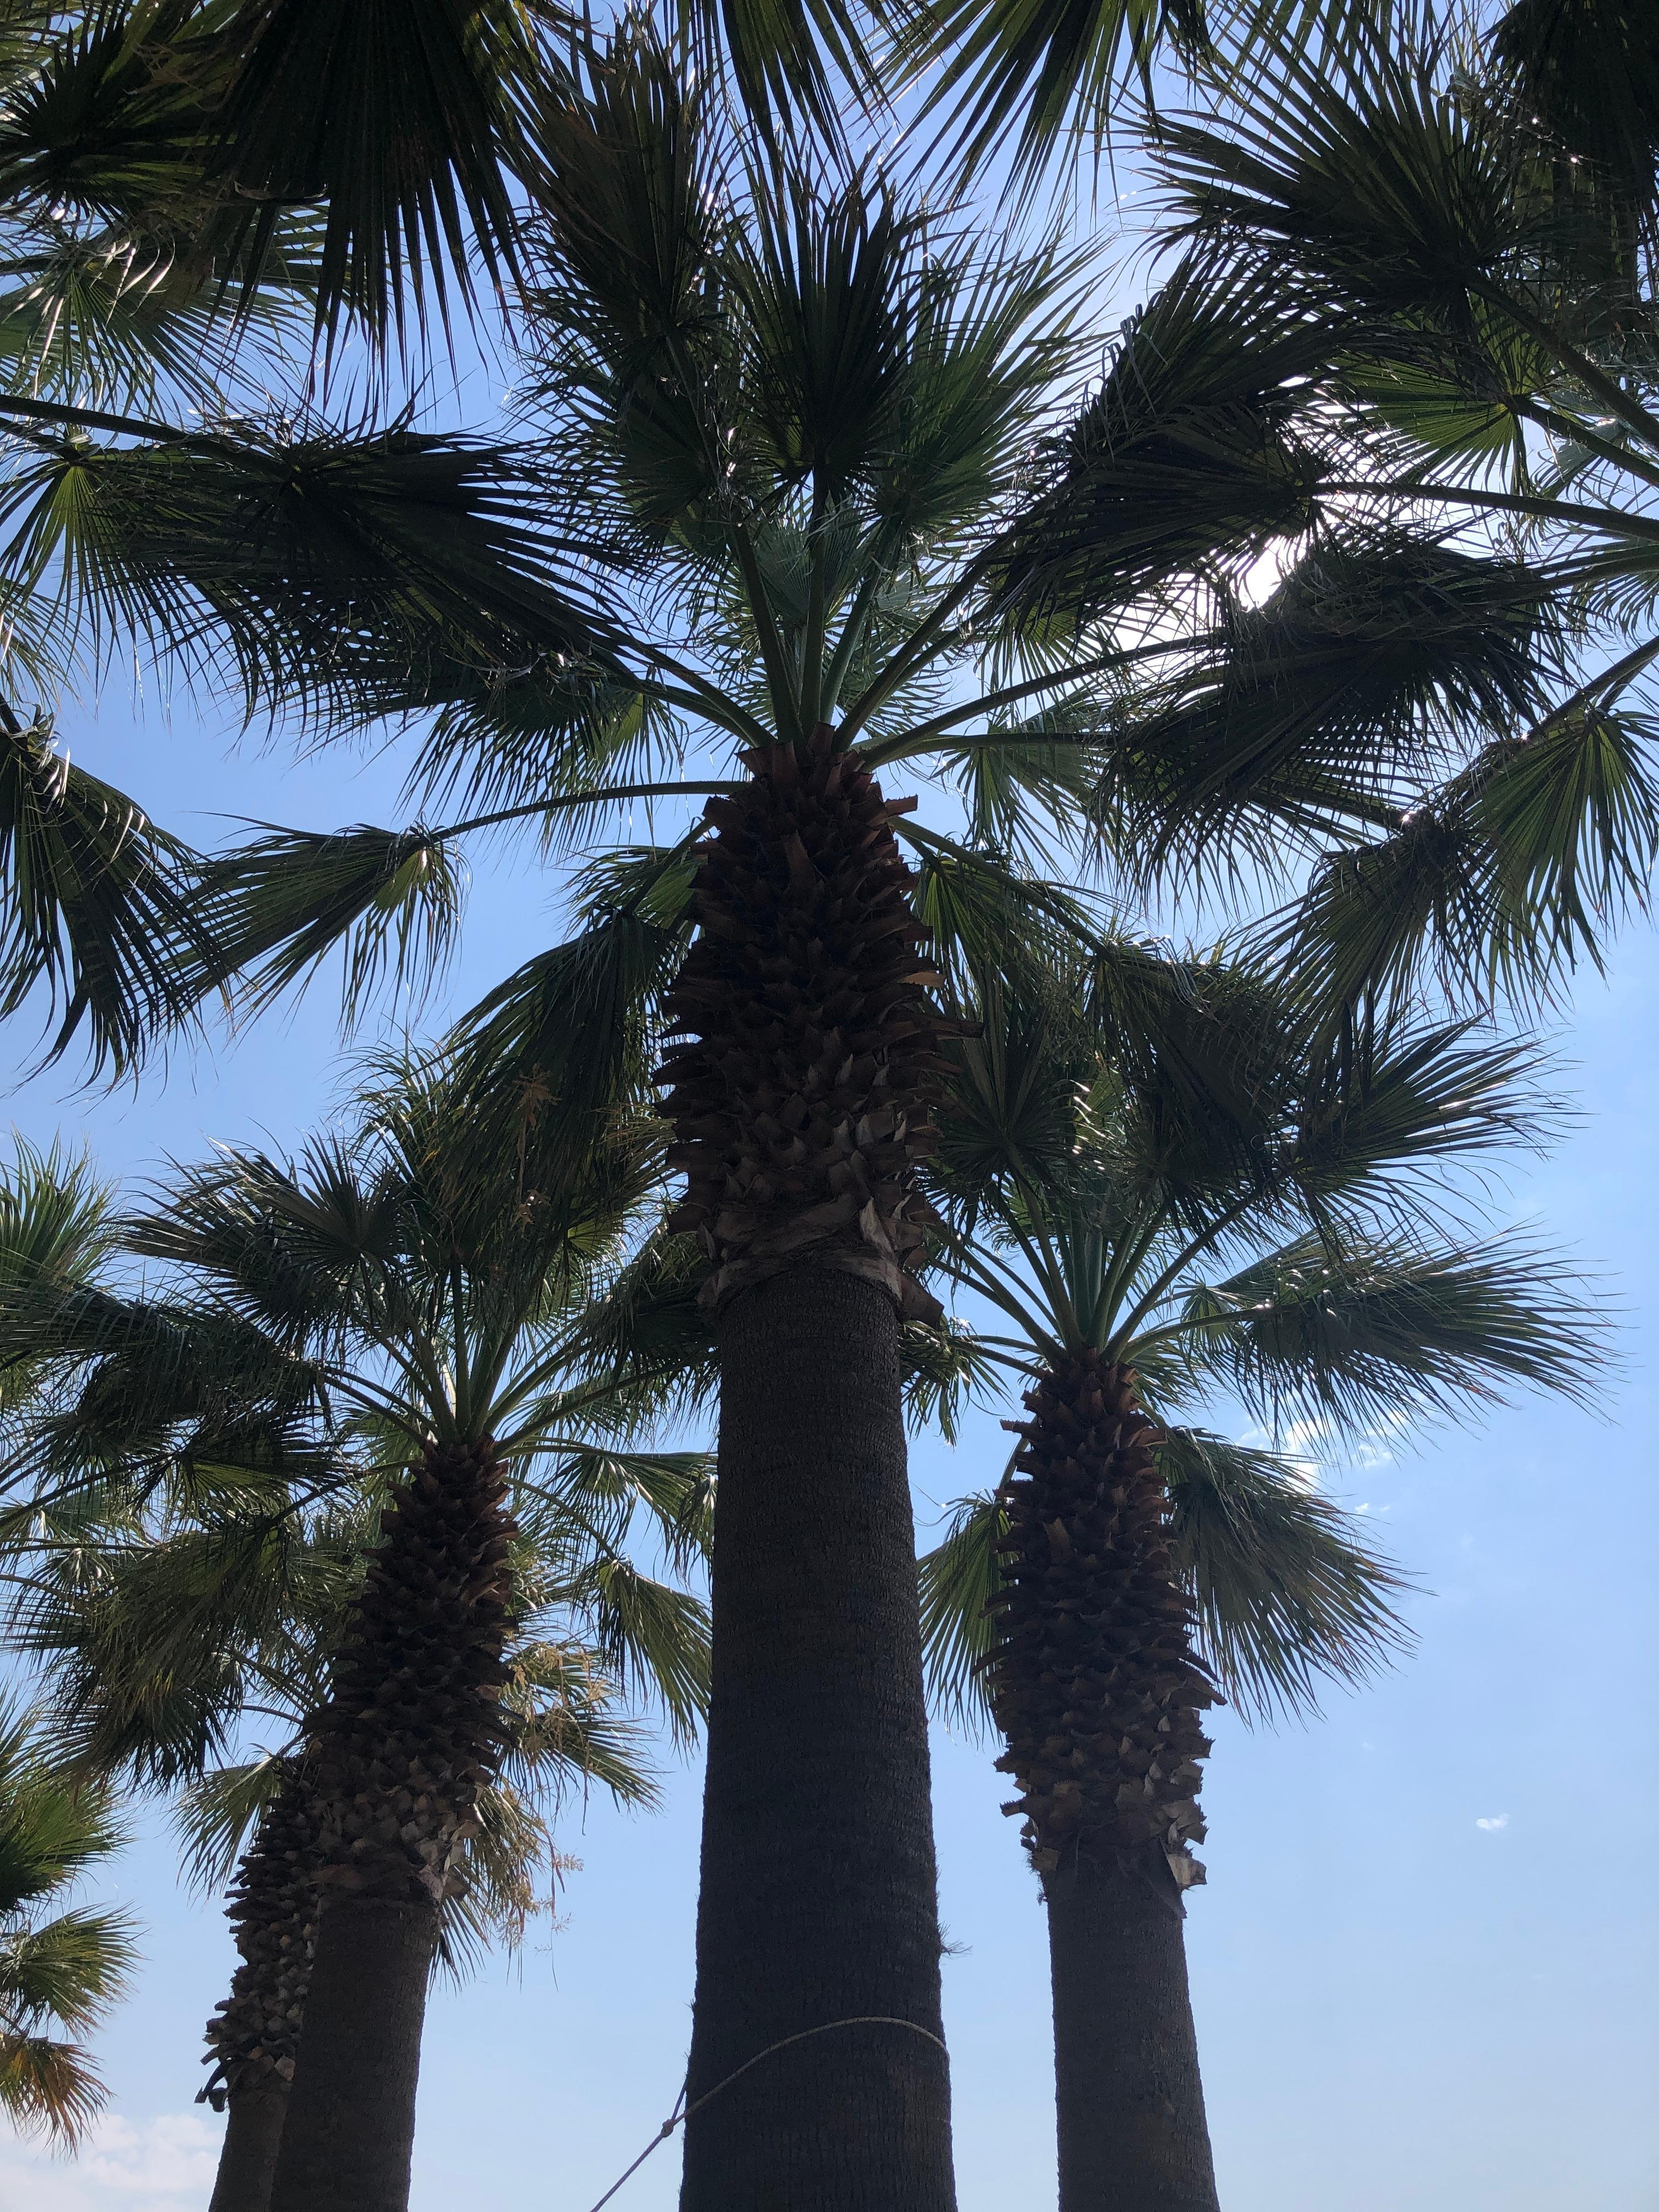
x: 62, y: 1967
x: 821, y: 438
x: 1140, y: 1252
x: 383, y: 1278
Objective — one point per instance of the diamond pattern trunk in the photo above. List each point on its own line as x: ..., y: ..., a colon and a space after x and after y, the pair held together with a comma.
x: 800, y: 1107
x: 1099, y: 1698
x: 410, y: 1731
x: 254, y: 2032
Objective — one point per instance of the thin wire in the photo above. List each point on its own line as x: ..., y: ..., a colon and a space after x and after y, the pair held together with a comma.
x: 683, y: 2111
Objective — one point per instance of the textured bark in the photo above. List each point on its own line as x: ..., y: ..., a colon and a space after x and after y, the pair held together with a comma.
x: 247, y: 2158
x: 1129, y: 2102
x: 254, y: 2032
x: 1099, y: 1698
x: 411, y: 1730
x: 801, y: 1104
x: 818, y: 1900
x: 350, y: 2135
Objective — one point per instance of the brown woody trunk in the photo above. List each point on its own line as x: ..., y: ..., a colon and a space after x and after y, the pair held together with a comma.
x: 411, y: 1732
x: 247, y: 2157
x: 1128, y: 2099
x: 1099, y: 1698
x: 254, y: 2032
x: 799, y: 1111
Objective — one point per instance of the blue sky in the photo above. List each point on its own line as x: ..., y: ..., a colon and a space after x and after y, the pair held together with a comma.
x: 1423, y: 1964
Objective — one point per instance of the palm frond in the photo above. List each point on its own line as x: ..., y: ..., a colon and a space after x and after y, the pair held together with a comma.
x: 408, y: 120
x: 1194, y: 452
x: 96, y: 904
x: 959, y: 1578
x: 1287, y: 1587
x: 272, y: 912
x: 1346, y: 1338
x: 1377, y: 660
x: 1500, y: 881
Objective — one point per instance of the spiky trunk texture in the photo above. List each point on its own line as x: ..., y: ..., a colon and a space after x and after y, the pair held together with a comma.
x: 411, y: 1730
x: 802, y: 1106
x: 799, y: 1111
x: 255, y: 2031
x: 1098, y: 1696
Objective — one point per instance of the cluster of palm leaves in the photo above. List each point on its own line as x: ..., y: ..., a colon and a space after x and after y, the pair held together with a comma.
x: 357, y: 1501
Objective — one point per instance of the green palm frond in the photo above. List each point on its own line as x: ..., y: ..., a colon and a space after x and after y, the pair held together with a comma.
x: 946, y: 1372
x: 66, y: 1970
x: 1194, y: 452
x: 53, y: 2086
x: 317, y: 565
x: 959, y: 1578
x: 272, y: 912
x: 1586, y: 72
x: 653, y: 1637
x: 1501, y: 880
x: 1374, y: 662
x: 1287, y: 1587
x: 215, y: 1814
x: 549, y: 1054
x: 96, y: 904
x: 408, y: 120
x: 1036, y: 74
x: 1313, y: 1332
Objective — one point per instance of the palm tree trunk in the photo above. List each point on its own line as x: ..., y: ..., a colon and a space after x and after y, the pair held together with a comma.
x: 411, y: 1732
x: 1099, y: 1696
x: 798, y: 1112
x: 1130, y: 2104
x: 247, y: 2157
x: 254, y: 2032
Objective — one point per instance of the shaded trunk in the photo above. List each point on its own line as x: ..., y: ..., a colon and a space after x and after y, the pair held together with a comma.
x: 397, y: 1756
x: 1099, y: 1698
x: 1130, y: 2104
x: 351, y: 2131
x: 247, y: 2158
x: 254, y: 2031
x: 817, y: 1902
x: 799, y: 1109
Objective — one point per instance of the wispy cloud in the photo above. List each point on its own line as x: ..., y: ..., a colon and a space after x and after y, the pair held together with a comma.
x: 162, y: 2165
x: 1497, y: 1820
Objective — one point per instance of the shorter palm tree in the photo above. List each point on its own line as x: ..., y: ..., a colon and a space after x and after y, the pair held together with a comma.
x: 1225, y: 1214
x: 62, y: 1967
x: 395, y: 1290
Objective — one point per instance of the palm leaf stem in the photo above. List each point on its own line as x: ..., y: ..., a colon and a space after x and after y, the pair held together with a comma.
x: 1193, y: 1250
x: 1567, y: 426
x: 1607, y: 389
x: 812, y: 670
x: 94, y: 419
x: 929, y: 638
x: 851, y: 633
x: 1602, y: 688
x: 919, y: 739
x: 978, y: 1270
x: 1607, y: 519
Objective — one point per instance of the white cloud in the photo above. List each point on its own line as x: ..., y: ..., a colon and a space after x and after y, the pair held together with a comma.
x: 163, y: 2165
x: 1497, y: 1820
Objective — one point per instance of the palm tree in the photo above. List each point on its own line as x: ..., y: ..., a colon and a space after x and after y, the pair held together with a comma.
x: 168, y: 1623
x: 819, y: 437
x: 1472, y: 246
x: 60, y: 1969
x: 1141, y: 1252
x: 380, y: 1278
x: 815, y: 503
